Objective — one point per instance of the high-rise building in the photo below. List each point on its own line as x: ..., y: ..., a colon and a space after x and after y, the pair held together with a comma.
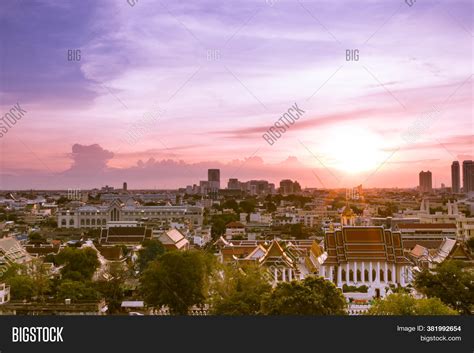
x: 214, y: 178
x: 234, y: 184
x: 426, y: 184
x: 455, y: 177
x: 124, y: 186
x: 468, y: 176
x: 287, y: 186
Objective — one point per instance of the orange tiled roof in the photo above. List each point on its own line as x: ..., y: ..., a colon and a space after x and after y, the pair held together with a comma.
x: 364, y: 244
x: 234, y: 225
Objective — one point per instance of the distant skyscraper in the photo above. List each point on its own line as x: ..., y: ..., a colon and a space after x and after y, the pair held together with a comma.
x: 234, y: 184
x: 426, y: 184
x: 124, y: 186
x: 287, y: 186
x: 455, y: 177
x: 468, y: 176
x: 214, y: 178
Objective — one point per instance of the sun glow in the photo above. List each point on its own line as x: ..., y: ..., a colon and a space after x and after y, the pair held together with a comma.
x: 352, y: 149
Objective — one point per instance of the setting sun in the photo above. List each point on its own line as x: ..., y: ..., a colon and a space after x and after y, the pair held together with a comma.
x: 352, y: 149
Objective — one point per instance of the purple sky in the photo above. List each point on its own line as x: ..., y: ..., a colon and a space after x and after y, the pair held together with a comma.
x: 165, y: 90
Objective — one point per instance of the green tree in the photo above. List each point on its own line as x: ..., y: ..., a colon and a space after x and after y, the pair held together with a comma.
x: 271, y: 207
x: 62, y: 200
x: 41, y: 279
x: 22, y: 287
x: 452, y: 282
x: 219, y: 221
x: 76, y: 290
x: 151, y: 250
x: 231, y: 204
x: 240, y: 291
x: 49, y: 222
x: 297, y: 231
x: 405, y: 304
x: 27, y: 282
x: 389, y: 210
x: 247, y: 206
x: 312, y: 296
x: 112, y: 290
x: 11, y: 270
x: 79, y: 264
x: 178, y: 280
x: 36, y: 237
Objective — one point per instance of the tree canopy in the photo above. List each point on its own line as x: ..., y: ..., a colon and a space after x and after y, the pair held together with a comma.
x: 27, y: 282
x: 219, y: 222
x: 113, y: 289
x: 178, y: 280
x: 247, y: 206
x: 76, y: 290
x: 405, y: 304
x: 312, y: 296
x: 151, y: 250
x: 240, y: 291
x: 22, y: 287
x: 79, y: 264
x: 452, y: 282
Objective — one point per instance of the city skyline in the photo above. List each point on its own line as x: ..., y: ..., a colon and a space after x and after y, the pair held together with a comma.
x: 213, y: 182
x: 157, y: 96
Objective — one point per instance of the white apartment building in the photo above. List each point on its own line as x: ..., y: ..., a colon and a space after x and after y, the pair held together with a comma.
x: 89, y: 216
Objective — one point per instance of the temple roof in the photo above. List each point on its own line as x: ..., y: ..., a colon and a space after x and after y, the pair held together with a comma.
x: 364, y: 244
x: 129, y: 235
x: 276, y: 254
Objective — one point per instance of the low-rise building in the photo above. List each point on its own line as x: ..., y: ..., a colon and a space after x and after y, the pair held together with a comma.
x: 429, y: 235
x: 4, y: 293
x: 365, y: 256
x: 173, y: 239
x: 11, y: 251
x: 449, y: 249
x: 234, y: 230
x: 89, y: 216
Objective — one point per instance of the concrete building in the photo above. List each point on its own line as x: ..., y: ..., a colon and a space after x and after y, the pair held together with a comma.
x: 234, y: 229
x: 287, y: 186
x: 173, y: 239
x: 429, y: 235
x: 214, y: 179
x: 234, y: 184
x: 4, y: 293
x: 11, y: 251
x: 468, y: 176
x: 426, y: 183
x: 455, y: 178
x: 97, y: 216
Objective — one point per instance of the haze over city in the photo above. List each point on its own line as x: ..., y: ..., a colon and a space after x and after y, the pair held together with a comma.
x: 162, y: 92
